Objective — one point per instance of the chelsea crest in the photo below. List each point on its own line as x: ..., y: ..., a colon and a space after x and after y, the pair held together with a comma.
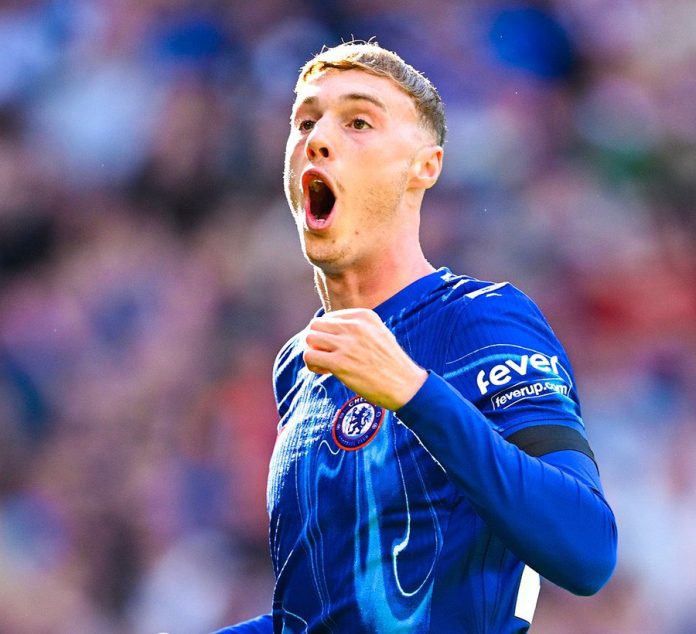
x: 356, y: 423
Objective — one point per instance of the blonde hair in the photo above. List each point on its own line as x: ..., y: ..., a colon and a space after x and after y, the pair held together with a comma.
x: 372, y: 58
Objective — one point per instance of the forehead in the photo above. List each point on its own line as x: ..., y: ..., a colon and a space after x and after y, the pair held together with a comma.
x: 338, y: 86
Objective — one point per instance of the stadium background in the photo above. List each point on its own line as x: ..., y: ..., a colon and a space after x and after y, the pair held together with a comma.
x: 149, y: 271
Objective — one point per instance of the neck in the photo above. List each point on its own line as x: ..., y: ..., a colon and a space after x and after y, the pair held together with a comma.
x: 369, y: 284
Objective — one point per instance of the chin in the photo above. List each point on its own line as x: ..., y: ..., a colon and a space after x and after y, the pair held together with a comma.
x: 330, y: 254
x: 322, y: 261
x: 329, y: 262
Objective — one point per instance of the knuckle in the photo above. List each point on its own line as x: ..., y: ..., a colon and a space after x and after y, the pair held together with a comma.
x: 351, y: 325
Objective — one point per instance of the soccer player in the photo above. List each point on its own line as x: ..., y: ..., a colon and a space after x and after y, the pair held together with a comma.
x: 431, y: 459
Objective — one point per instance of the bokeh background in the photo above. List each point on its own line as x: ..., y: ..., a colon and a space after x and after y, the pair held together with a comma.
x: 149, y: 271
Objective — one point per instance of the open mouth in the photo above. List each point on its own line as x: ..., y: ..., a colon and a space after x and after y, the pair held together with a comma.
x: 320, y: 199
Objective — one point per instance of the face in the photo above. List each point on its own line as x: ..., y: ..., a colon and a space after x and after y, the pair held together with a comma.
x: 353, y: 139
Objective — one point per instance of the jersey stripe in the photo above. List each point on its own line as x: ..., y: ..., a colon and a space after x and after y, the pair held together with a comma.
x: 527, y: 595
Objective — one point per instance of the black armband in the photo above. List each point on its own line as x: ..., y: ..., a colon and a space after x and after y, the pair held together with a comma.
x: 542, y: 439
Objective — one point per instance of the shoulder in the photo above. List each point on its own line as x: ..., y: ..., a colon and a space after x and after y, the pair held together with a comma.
x: 288, y: 353
x: 494, y: 324
x: 503, y: 355
x: 464, y: 316
x: 462, y: 290
x: 486, y: 317
x: 287, y: 364
x: 491, y: 309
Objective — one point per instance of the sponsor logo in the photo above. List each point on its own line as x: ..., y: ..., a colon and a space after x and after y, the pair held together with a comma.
x: 356, y: 424
x: 528, y: 390
x: 502, y: 373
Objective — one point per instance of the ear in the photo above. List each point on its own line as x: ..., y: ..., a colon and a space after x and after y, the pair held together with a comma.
x: 426, y: 167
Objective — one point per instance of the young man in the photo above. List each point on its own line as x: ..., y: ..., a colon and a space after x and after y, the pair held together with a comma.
x: 431, y: 460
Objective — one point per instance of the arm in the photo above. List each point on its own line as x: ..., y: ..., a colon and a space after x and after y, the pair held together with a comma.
x: 548, y: 510
x: 260, y: 625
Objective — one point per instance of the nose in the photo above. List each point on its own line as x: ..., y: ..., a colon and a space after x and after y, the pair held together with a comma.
x: 318, y: 143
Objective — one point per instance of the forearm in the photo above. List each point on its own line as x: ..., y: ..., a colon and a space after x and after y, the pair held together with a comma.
x: 550, y: 518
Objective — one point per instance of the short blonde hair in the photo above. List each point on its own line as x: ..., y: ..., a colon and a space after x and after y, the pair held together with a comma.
x: 372, y: 58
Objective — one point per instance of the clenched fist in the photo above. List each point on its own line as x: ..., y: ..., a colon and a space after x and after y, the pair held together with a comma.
x: 359, y: 350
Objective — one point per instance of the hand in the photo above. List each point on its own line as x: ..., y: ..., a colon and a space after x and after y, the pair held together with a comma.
x: 361, y: 352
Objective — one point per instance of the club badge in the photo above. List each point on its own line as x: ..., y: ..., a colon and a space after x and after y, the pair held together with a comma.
x: 356, y: 424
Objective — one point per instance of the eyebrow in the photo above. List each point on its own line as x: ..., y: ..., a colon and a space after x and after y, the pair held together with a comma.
x: 359, y: 96
x: 353, y: 96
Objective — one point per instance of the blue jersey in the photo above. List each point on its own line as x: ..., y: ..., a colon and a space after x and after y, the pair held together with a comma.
x: 435, y: 517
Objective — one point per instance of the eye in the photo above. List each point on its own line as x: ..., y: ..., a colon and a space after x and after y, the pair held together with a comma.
x: 306, y: 125
x: 359, y: 124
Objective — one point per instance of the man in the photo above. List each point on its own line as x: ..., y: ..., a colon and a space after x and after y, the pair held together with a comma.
x: 431, y: 460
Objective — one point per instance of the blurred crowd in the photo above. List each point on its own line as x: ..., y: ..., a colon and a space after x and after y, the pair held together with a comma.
x: 149, y: 271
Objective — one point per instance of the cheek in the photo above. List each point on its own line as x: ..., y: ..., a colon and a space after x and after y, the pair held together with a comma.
x: 293, y: 152
x: 384, y: 163
x: 288, y: 158
x: 294, y: 148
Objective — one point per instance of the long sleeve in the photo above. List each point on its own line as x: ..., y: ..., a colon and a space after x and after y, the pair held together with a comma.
x: 548, y: 510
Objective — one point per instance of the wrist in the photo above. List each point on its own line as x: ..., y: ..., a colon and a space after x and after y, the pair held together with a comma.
x: 414, y: 382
